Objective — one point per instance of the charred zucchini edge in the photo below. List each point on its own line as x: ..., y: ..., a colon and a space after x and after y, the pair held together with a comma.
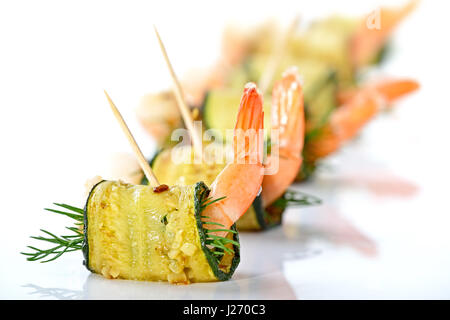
x: 85, y: 247
x: 261, y: 214
x: 200, y: 187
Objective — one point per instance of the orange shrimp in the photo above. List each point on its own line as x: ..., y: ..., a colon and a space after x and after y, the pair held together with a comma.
x: 389, y: 89
x: 345, y: 122
x: 288, y: 118
x: 240, y: 181
x: 357, y: 107
x: 366, y: 42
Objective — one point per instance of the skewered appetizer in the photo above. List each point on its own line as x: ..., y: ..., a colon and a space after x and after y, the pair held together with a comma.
x: 179, y: 234
x: 178, y: 165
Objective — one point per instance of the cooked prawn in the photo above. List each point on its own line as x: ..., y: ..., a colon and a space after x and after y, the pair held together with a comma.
x: 240, y: 181
x: 288, y: 118
x: 358, y: 107
x: 345, y: 123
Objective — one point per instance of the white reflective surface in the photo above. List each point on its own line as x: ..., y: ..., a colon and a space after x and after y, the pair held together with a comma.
x: 379, y: 236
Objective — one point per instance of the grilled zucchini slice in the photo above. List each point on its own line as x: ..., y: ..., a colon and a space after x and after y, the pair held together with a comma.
x: 220, y: 109
x: 133, y: 232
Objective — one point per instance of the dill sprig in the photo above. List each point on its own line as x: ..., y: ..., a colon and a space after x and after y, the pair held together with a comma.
x: 66, y: 243
x: 296, y: 198
x: 215, y: 242
x: 209, y: 201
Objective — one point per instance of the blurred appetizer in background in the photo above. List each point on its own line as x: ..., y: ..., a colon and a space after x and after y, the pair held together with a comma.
x: 161, y: 118
x: 332, y: 56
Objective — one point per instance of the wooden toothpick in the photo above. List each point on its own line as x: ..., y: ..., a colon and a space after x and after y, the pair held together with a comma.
x: 184, y: 109
x: 277, y: 56
x: 137, y: 151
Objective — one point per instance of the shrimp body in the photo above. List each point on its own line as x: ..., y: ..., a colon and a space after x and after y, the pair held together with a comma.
x: 345, y: 123
x: 288, y: 118
x: 240, y: 181
x: 358, y: 107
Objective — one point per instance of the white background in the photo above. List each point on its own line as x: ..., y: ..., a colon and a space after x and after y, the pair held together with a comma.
x: 56, y: 130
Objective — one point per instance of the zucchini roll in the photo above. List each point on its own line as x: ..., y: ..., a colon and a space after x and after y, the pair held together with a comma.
x: 136, y: 232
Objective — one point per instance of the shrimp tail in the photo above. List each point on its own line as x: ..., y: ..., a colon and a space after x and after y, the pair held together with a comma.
x: 240, y: 181
x: 390, y: 90
x: 248, y: 136
x: 288, y: 112
x: 288, y: 119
